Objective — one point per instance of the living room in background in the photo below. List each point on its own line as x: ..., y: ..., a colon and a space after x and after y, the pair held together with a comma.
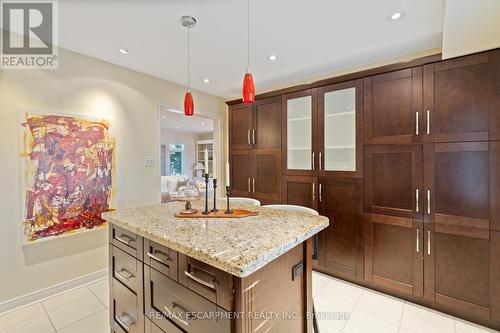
x: 184, y: 142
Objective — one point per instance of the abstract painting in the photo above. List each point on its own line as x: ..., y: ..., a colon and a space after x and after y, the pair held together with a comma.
x: 68, y: 174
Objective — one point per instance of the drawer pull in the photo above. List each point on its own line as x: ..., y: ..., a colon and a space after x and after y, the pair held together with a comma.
x: 121, y: 273
x: 125, y: 239
x: 122, y: 323
x: 418, y: 240
x: 197, y: 279
x: 160, y: 260
x: 173, y: 315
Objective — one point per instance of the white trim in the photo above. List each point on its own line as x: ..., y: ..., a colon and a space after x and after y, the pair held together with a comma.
x: 51, y: 291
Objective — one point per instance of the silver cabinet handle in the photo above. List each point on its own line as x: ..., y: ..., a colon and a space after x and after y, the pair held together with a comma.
x: 248, y: 137
x: 253, y: 185
x: 173, y: 315
x: 416, y: 200
x: 416, y: 123
x: 428, y: 242
x: 320, y: 193
x: 200, y: 281
x: 125, y: 239
x: 313, y: 161
x: 314, y: 191
x: 428, y: 122
x: 122, y: 323
x: 156, y: 258
x: 123, y: 271
x: 428, y: 201
x: 249, y: 186
x: 320, y: 162
x: 253, y: 136
x: 418, y: 240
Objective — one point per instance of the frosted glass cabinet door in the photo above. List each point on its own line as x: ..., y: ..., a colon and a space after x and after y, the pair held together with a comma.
x: 340, y: 130
x: 299, y: 117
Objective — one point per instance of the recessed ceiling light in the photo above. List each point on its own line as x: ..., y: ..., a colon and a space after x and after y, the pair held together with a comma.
x: 202, y: 123
x: 124, y: 50
x: 396, y: 16
x: 177, y: 127
x: 206, y: 80
x: 164, y: 116
x: 272, y: 57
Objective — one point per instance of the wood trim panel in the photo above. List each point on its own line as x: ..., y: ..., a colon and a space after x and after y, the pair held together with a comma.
x: 391, y: 284
x: 495, y: 185
x: 460, y: 146
x: 467, y: 60
x: 398, y: 212
x: 392, y: 220
x: 495, y: 276
x: 368, y: 241
x: 495, y: 95
x: 461, y: 221
x: 429, y: 263
x: 461, y: 231
x: 472, y: 310
x: 349, y: 77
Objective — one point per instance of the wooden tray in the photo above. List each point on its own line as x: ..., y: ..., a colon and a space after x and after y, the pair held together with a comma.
x: 237, y: 213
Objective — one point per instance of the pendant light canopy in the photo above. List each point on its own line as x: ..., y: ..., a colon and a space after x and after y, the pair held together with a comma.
x: 188, y: 22
x: 248, y: 90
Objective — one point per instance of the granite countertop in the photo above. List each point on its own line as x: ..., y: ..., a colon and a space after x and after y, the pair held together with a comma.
x: 237, y: 246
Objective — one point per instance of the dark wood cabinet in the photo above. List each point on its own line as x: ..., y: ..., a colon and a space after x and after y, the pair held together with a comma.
x: 257, y: 125
x: 300, y: 191
x: 240, y: 126
x: 299, y: 133
x: 393, y: 226
x: 267, y: 124
x: 340, y: 130
x: 457, y: 99
x: 393, y: 107
x: 341, y: 244
x: 266, y: 175
x: 256, y: 174
x: 241, y: 169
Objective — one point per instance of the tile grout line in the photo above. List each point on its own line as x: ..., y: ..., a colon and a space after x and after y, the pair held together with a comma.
x: 401, y: 317
x: 47, y: 314
x: 93, y: 293
x: 363, y: 290
x: 79, y: 320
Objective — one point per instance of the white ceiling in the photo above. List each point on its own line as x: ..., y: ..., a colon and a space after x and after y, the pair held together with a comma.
x: 173, y: 119
x: 311, y: 38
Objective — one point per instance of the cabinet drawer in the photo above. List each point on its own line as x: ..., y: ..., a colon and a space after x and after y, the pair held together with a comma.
x: 126, y: 268
x: 152, y: 328
x: 127, y: 312
x: 126, y: 241
x: 208, y: 281
x: 161, y: 258
x: 170, y: 304
x: 117, y: 328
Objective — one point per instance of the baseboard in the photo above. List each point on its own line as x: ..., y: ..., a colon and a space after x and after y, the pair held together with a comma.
x: 51, y: 291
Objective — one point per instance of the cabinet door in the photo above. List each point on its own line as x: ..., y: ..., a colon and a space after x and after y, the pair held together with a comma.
x: 300, y: 191
x: 266, y: 133
x: 341, y: 244
x: 340, y: 129
x: 299, y: 133
x: 266, y: 175
x: 457, y: 99
x: 393, y: 229
x: 240, y: 173
x: 457, y: 207
x: 393, y: 107
x: 240, y: 126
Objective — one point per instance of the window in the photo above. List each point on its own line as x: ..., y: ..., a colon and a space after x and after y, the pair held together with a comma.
x: 176, y: 151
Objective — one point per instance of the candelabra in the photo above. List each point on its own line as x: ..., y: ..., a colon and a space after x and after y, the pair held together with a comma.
x: 206, y: 211
x: 228, y: 194
x: 214, y: 210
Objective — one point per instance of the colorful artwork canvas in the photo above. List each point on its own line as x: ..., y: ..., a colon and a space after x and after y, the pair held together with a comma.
x: 68, y: 174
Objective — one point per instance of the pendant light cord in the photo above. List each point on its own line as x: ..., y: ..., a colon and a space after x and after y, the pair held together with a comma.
x: 248, y: 36
x: 189, y: 89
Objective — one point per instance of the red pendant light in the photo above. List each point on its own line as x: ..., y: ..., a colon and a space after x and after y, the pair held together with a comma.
x: 248, y: 90
x: 188, y: 22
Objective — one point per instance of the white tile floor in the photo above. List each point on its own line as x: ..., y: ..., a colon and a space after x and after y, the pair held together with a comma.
x: 354, y: 310
x: 363, y: 310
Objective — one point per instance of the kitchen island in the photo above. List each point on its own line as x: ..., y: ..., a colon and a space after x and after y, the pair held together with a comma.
x: 170, y: 274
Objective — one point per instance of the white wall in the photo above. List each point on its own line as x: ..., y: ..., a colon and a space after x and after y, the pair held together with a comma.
x: 83, y: 86
x: 470, y: 26
x: 188, y: 139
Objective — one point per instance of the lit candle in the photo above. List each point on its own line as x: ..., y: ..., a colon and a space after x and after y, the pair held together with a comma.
x: 228, y: 182
x: 206, y: 161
